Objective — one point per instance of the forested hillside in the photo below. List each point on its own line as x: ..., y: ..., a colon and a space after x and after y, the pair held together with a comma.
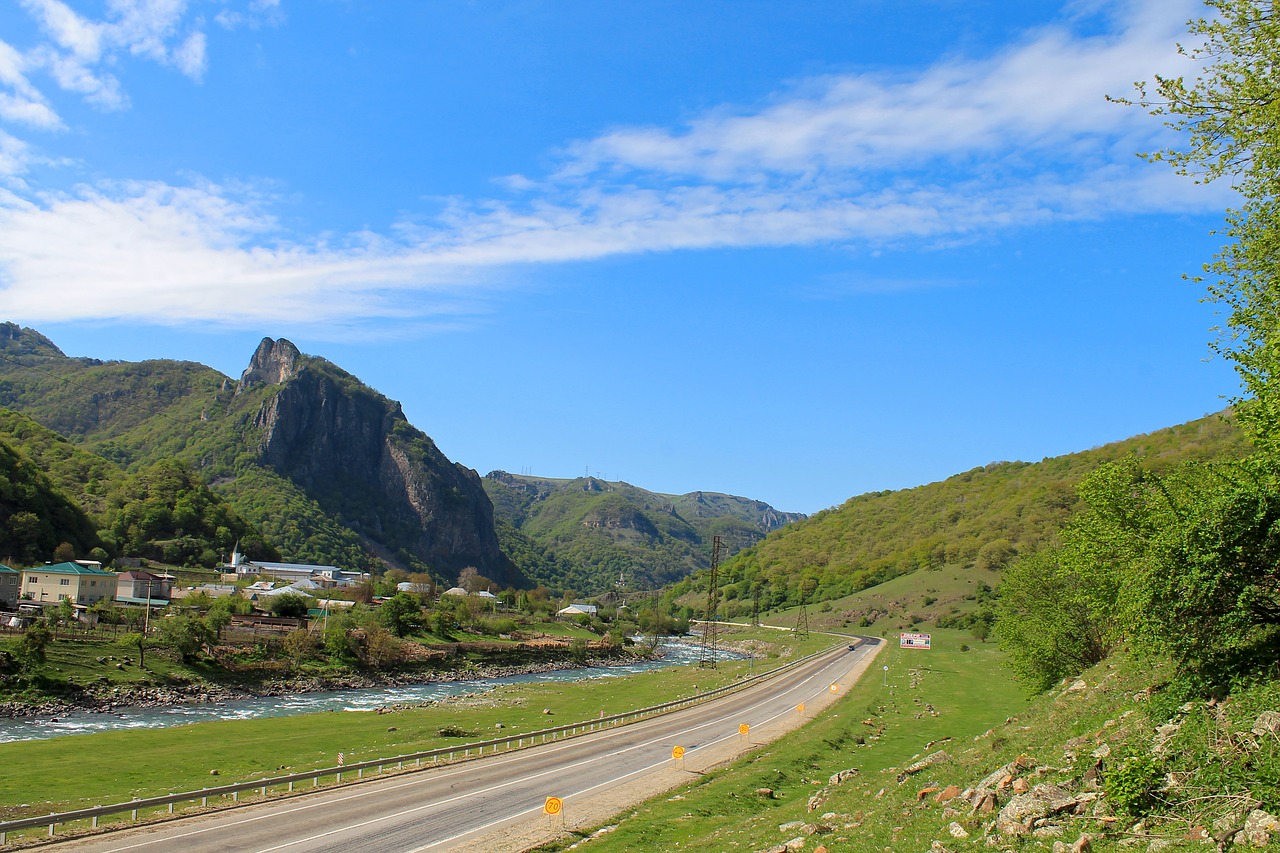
x: 599, y: 531
x: 983, y: 517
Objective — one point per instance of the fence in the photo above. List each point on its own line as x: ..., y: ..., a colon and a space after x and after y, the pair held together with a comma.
x: 433, y: 756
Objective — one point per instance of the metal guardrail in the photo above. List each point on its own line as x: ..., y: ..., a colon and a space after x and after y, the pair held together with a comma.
x: 442, y: 755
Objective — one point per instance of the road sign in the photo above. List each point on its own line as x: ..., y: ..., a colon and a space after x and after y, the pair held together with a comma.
x: 552, y: 806
x: 677, y: 752
x: 800, y: 708
x: 835, y: 688
x: 914, y: 641
x: 743, y: 729
x: 341, y: 759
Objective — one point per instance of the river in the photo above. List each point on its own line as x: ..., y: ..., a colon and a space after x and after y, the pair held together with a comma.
x: 365, y: 699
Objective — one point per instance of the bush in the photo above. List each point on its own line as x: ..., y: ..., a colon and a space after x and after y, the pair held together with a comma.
x: 1131, y: 782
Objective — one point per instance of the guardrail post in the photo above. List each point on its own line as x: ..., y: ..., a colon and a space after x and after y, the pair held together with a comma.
x: 95, y: 824
x: 204, y: 802
x: 290, y: 786
x: 170, y: 808
x: 51, y: 826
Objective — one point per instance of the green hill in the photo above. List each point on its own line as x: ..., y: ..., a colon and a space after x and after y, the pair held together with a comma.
x: 976, y: 520
x: 597, y: 532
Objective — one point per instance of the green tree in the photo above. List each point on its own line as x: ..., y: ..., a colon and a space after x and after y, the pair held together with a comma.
x: 289, y: 604
x: 185, y: 634
x: 32, y: 647
x: 1229, y: 115
x: 401, y: 614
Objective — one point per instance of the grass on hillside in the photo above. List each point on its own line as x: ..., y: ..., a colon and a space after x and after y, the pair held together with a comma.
x: 153, y: 762
x: 907, y: 602
x: 1210, y: 772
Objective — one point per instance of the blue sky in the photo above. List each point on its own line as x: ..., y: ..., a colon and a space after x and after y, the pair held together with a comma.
x: 790, y: 250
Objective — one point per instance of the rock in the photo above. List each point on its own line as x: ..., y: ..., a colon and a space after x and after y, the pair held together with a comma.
x: 789, y: 827
x: 1268, y: 723
x: 947, y: 794
x: 924, y: 792
x: 213, y: 772
x: 1103, y: 751
x: 1020, y: 786
x: 957, y: 831
x: 928, y: 761
x: 986, y: 803
x: 1258, y: 828
x: 842, y: 776
x: 1019, y: 813
x: 1077, y: 686
x: 795, y: 844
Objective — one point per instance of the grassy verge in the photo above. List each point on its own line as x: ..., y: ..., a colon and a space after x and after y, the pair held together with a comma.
x: 35, y: 777
x: 927, y: 700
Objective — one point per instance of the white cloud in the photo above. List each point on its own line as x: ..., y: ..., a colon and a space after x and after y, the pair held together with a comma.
x: 1036, y: 95
x: 960, y: 150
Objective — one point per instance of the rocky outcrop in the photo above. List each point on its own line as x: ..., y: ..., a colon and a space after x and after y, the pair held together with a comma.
x: 273, y: 363
x: 355, y: 453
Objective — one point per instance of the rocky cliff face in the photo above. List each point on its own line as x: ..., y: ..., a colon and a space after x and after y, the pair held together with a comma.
x: 353, y: 451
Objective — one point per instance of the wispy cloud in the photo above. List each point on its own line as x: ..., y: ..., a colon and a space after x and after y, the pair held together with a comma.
x: 962, y: 149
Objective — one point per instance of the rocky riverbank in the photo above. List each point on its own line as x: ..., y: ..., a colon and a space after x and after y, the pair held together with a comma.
x: 109, y: 698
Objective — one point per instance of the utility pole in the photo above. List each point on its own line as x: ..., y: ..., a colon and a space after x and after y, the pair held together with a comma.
x: 710, y: 653
x: 755, y: 605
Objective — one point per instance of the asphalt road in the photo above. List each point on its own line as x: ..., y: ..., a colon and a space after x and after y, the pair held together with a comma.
x: 497, y: 802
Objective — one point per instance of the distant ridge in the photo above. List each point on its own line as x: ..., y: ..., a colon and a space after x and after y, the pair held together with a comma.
x: 603, y: 530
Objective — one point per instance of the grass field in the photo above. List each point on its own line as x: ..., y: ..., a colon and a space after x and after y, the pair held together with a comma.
x: 38, y: 777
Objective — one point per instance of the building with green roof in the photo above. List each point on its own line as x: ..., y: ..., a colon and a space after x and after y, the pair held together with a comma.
x: 83, y: 584
x: 10, y: 581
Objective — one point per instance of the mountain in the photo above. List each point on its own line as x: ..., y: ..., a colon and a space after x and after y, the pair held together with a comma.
x: 981, y: 518
x: 602, y: 531
x: 328, y: 469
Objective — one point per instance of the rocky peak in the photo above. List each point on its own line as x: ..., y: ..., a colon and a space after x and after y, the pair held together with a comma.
x: 273, y: 363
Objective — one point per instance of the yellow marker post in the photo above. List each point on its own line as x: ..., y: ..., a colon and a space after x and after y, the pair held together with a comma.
x: 744, y: 729
x: 800, y: 709
x: 677, y: 755
x: 835, y: 688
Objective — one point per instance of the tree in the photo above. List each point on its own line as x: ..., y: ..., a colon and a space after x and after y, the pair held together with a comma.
x: 31, y: 648
x: 401, y: 614
x: 290, y: 605
x: 64, y: 553
x: 184, y: 634
x: 1230, y: 116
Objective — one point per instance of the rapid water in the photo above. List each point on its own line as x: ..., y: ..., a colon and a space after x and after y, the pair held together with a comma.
x: 367, y: 699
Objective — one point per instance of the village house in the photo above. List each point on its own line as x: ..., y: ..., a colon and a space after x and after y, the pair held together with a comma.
x: 143, y: 588
x: 10, y: 580
x: 82, y: 584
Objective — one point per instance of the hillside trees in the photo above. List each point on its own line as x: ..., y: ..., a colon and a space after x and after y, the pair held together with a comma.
x: 1197, y: 552
x: 166, y: 512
